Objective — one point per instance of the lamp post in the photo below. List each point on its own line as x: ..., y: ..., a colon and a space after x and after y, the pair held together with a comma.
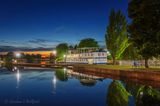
x: 64, y: 56
x: 18, y: 55
x: 54, y: 53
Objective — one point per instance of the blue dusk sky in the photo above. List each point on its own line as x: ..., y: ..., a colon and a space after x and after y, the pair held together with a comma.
x: 46, y: 23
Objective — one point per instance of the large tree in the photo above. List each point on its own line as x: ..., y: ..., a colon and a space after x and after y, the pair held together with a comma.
x: 62, y: 50
x: 88, y: 42
x: 145, y: 27
x: 116, y: 35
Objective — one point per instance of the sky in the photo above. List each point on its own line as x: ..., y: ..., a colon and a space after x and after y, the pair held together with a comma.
x: 46, y: 23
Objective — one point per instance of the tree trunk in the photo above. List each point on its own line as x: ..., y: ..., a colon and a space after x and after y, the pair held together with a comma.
x: 114, y: 61
x: 146, y: 63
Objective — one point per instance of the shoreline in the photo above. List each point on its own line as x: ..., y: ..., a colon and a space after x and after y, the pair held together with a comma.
x: 134, y: 74
x: 150, y: 77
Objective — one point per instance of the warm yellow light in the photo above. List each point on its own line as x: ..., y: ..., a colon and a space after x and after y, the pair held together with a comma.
x: 54, y: 52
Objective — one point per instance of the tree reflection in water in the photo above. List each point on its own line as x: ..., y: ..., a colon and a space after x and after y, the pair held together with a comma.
x: 143, y: 95
x: 117, y: 94
x: 61, y: 74
x: 147, y: 96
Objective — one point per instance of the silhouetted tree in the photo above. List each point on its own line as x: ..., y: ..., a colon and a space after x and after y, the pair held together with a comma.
x: 88, y: 42
x: 61, y: 49
x: 8, y: 60
x: 145, y: 27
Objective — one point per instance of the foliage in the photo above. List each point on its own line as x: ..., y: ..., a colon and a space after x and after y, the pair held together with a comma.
x: 131, y: 53
x: 29, y: 58
x: 61, y: 49
x: 71, y: 47
x: 145, y: 26
x: 117, y: 94
x: 88, y: 42
x: 116, y: 35
x: 8, y: 60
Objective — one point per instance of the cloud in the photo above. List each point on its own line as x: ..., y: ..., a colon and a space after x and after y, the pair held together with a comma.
x: 38, y: 41
x: 3, y: 41
x: 33, y: 43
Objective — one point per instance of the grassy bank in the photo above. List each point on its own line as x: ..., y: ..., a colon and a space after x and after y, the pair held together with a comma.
x: 118, y: 67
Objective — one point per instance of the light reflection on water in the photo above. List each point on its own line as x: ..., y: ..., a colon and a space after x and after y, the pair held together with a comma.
x: 54, y: 82
x: 64, y: 87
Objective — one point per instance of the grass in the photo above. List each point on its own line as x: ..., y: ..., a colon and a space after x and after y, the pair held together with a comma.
x: 118, y: 67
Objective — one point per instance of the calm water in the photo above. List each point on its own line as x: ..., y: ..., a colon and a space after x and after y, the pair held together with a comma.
x: 56, y: 87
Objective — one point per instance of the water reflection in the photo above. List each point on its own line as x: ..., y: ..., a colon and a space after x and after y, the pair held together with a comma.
x: 117, y: 94
x: 85, y: 79
x: 141, y: 95
x: 144, y: 95
x: 147, y: 96
x: 61, y: 74
x: 54, y: 82
x: 18, y: 75
x: 88, y: 82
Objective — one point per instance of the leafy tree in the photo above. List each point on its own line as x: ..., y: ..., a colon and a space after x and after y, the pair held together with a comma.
x: 8, y: 60
x: 61, y: 49
x: 29, y: 58
x: 145, y: 27
x: 75, y: 47
x: 131, y: 53
x: 116, y: 35
x: 71, y: 47
x: 88, y: 42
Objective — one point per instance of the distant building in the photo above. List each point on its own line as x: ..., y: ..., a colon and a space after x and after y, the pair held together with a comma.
x: 89, y: 55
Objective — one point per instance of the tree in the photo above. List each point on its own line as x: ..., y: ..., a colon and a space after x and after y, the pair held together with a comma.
x: 75, y: 47
x: 88, y: 42
x: 62, y: 50
x: 144, y: 29
x: 116, y: 35
x: 131, y: 53
x: 71, y: 47
x: 29, y: 58
x: 8, y: 60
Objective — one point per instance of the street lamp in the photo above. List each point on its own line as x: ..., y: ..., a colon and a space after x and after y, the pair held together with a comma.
x: 64, y: 58
x: 54, y: 53
x: 18, y: 55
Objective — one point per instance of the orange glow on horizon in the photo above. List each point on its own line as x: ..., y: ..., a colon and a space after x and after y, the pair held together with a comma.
x: 43, y: 53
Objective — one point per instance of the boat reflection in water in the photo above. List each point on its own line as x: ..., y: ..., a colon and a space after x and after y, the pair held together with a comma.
x: 120, y: 93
